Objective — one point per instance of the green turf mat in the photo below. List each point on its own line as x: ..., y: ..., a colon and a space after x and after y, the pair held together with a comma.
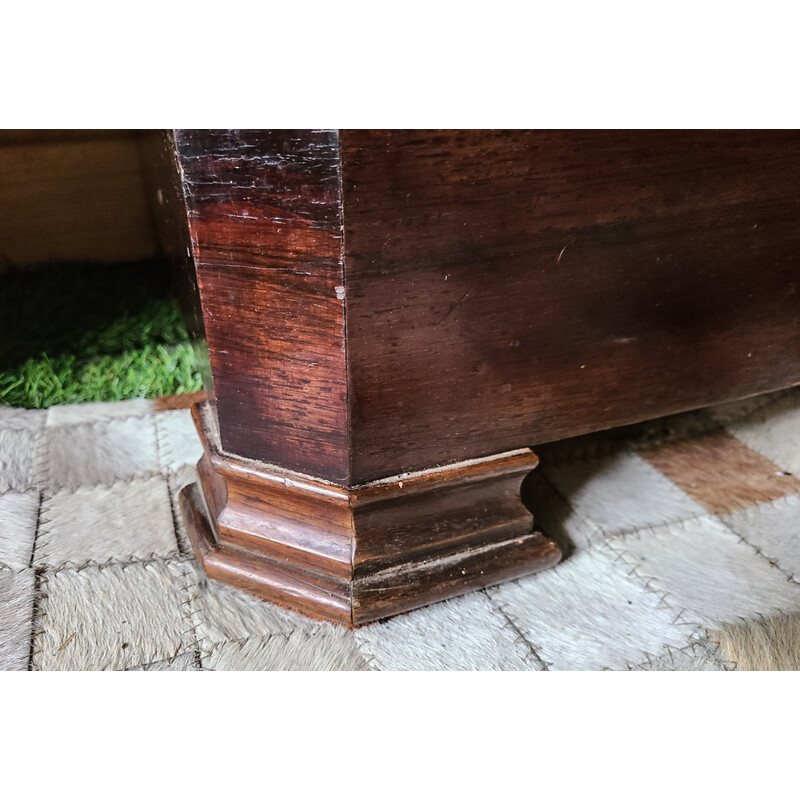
x: 80, y: 333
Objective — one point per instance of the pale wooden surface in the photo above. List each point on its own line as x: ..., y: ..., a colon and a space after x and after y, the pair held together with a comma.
x: 72, y: 196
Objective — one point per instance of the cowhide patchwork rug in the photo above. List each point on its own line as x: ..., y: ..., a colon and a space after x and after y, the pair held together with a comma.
x: 683, y: 537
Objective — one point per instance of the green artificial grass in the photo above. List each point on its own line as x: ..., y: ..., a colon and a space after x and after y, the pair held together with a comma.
x: 80, y: 333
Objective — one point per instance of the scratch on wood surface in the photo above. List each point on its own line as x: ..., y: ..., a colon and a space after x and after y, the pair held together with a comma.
x: 435, y: 563
x: 558, y: 260
x: 453, y: 307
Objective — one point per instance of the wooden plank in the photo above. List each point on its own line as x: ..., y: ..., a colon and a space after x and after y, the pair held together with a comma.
x: 506, y: 288
x: 72, y: 196
x: 471, y: 292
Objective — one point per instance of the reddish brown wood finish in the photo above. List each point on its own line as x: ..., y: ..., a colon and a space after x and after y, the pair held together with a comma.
x: 500, y: 288
x: 355, y: 555
x: 517, y: 287
x: 266, y: 227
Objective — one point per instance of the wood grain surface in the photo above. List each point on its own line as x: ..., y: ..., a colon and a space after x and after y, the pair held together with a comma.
x: 506, y: 288
x: 71, y: 195
x: 386, y: 301
x: 265, y: 219
x: 354, y: 555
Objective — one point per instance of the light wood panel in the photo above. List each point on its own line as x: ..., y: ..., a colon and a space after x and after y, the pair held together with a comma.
x: 72, y: 195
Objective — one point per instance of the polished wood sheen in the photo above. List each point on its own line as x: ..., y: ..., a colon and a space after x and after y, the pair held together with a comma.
x: 517, y: 287
x: 353, y: 555
x: 550, y: 282
x: 386, y: 302
x: 265, y: 217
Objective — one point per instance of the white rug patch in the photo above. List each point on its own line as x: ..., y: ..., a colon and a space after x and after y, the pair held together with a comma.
x: 178, y: 441
x: 177, y: 480
x: 98, y: 454
x: 775, y: 433
x: 185, y: 662
x: 708, y: 572
x: 223, y: 613
x: 556, y: 518
x: 110, y: 617
x: 97, y: 412
x: 333, y: 649
x: 697, y: 657
x: 18, y: 514
x: 774, y: 528
x: 182, y: 477
x: 586, y: 613
x: 16, y: 613
x: 621, y: 492
x: 129, y: 520
x: 22, y: 418
x: 467, y: 632
x: 16, y: 459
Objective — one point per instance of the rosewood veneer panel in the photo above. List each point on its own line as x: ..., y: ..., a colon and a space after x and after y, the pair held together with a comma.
x: 515, y: 287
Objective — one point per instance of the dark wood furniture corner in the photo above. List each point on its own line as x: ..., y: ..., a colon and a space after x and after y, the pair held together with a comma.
x: 393, y: 318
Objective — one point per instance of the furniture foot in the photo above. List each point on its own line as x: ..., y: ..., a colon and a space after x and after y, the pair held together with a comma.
x: 354, y: 555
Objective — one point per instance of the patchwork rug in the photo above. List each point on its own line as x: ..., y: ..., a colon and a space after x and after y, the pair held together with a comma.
x: 682, y: 538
